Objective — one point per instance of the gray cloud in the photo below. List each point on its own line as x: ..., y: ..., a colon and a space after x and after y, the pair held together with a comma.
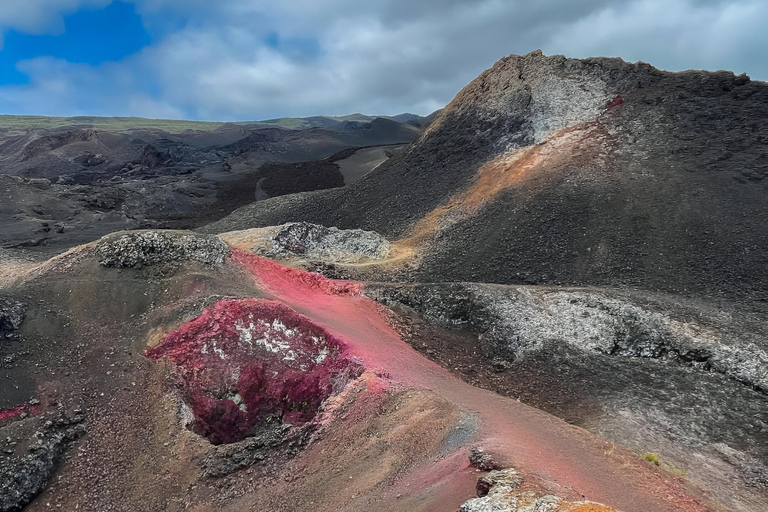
x: 387, y: 57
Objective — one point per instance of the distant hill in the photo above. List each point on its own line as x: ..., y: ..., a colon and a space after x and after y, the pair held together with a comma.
x: 69, y: 180
x: 13, y: 122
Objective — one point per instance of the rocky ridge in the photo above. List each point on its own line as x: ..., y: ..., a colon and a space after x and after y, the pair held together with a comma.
x: 515, y: 321
x: 645, y: 366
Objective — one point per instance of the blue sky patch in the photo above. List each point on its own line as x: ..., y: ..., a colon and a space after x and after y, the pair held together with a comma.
x: 91, y: 36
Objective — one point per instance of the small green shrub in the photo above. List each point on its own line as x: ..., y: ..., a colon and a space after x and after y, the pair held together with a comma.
x: 652, y: 457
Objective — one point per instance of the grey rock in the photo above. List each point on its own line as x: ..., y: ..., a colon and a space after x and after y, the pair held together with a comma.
x: 131, y: 249
x: 334, y: 245
x: 24, y: 477
x: 221, y: 460
x: 498, y: 491
x: 516, y: 321
x: 482, y: 460
x: 11, y: 316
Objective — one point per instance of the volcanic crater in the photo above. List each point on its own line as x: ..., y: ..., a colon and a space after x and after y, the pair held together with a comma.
x: 244, y: 362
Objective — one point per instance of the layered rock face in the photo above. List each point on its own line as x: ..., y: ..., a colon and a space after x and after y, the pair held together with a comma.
x: 551, y: 170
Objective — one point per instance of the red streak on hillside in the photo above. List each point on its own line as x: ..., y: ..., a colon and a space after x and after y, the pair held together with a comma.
x: 615, y: 102
x: 528, y: 439
x: 14, y: 412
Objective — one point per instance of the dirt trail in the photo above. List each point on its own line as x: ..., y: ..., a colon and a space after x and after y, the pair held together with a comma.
x: 574, y: 462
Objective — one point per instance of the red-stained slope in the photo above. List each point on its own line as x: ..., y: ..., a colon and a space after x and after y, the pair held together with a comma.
x: 243, y: 360
x: 536, y: 443
x: 15, y: 412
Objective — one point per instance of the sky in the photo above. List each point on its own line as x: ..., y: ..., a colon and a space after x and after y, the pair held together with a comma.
x: 229, y: 60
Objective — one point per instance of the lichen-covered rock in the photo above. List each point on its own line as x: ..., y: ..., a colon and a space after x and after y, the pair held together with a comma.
x: 11, y: 315
x: 498, y: 491
x: 134, y: 249
x: 24, y: 477
x: 311, y: 241
x: 516, y: 321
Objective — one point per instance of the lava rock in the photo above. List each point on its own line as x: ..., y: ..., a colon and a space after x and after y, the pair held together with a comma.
x: 221, y: 460
x: 153, y: 247
x: 11, y: 316
x: 514, y: 322
x: 482, y: 460
x: 23, y: 478
x: 326, y: 244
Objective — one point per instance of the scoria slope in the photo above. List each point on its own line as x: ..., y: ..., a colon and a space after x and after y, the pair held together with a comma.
x: 549, y: 170
x: 169, y: 371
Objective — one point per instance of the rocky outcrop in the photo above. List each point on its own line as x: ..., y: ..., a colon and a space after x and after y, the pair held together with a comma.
x: 517, y: 321
x: 315, y: 242
x: 222, y: 460
x: 650, y: 372
x: 136, y: 249
x: 11, y: 315
x: 500, y: 491
x: 22, y: 477
x: 482, y: 460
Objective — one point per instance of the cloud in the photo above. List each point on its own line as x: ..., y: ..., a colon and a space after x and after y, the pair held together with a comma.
x: 41, y: 16
x: 675, y: 35
x: 231, y: 60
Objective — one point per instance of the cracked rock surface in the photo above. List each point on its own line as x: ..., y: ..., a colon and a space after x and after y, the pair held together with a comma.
x: 133, y: 249
x: 334, y: 245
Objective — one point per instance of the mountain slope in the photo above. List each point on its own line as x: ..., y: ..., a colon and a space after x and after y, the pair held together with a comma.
x: 551, y: 170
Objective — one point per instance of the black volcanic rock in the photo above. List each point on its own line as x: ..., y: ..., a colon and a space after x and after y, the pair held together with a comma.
x: 22, y: 477
x: 11, y: 315
x: 277, y: 179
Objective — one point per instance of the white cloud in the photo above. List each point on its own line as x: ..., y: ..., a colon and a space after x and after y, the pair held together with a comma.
x: 675, y: 35
x: 375, y: 57
x: 40, y: 16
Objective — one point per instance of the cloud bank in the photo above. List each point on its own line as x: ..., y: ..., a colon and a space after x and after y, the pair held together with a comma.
x: 244, y: 60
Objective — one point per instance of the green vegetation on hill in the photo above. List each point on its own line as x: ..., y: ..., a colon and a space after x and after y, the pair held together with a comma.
x: 9, y: 122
